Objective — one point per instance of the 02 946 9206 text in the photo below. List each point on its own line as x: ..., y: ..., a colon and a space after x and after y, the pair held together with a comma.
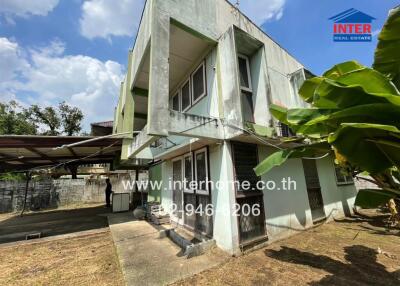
x: 209, y: 210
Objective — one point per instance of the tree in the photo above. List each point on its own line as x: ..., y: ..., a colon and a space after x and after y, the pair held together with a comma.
x: 46, y: 116
x: 13, y: 120
x: 355, y: 115
x: 71, y: 118
x: 65, y: 116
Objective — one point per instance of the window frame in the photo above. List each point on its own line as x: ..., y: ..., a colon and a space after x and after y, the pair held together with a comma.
x: 339, y: 183
x: 190, y: 96
x: 201, y: 65
x: 177, y: 94
x: 246, y: 58
x: 292, y: 89
x: 202, y: 150
x: 188, y: 155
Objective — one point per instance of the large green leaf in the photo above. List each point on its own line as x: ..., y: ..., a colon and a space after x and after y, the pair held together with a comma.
x: 363, y: 86
x: 280, y: 157
x: 279, y: 113
x: 379, y: 113
x: 360, y: 144
x: 371, y: 198
x: 387, y: 55
x: 341, y: 69
x: 307, y: 90
x: 297, y: 116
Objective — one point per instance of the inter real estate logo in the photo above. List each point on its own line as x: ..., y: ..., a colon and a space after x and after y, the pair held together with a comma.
x: 352, y: 26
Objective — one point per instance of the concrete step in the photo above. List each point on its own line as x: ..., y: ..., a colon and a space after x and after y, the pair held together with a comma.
x: 186, y: 240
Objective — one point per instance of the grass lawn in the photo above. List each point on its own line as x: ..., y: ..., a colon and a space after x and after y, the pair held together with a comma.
x: 350, y: 252
x: 86, y: 260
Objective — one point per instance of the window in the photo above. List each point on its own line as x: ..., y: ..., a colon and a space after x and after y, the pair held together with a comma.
x: 284, y: 130
x: 247, y: 106
x: 341, y: 177
x: 176, y: 102
x: 296, y: 80
x: 244, y: 73
x: 193, y: 89
x: 201, y: 171
x: 188, y: 176
x: 245, y: 158
x: 185, y: 95
x: 198, y: 83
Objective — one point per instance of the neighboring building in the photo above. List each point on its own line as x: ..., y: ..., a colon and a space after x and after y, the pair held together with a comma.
x: 199, y: 82
x: 101, y: 128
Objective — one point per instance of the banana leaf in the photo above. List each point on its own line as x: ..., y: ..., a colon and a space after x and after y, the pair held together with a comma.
x: 280, y: 157
x: 372, y: 147
x: 387, y: 55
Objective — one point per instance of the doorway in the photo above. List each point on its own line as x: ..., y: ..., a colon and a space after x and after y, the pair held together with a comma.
x: 313, y: 190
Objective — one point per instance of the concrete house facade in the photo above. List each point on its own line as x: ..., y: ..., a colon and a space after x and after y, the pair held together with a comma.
x: 195, y: 98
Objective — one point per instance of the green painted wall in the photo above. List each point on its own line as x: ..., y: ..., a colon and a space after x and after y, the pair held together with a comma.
x: 155, y: 175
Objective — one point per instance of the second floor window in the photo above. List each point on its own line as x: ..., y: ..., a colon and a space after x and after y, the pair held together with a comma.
x: 185, y: 94
x: 191, y: 91
x: 198, y: 83
x: 296, y: 81
x: 244, y: 73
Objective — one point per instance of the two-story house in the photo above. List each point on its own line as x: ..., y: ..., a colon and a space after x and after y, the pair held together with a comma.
x: 200, y: 78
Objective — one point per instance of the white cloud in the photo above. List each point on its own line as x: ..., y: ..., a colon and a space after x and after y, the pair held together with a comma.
x: 49, y: 76
x: 25, y: 8
x: 105, y: 18
x: 262, y: 10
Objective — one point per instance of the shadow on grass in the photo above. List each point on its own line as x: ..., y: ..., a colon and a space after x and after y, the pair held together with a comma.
x: 360, y: 268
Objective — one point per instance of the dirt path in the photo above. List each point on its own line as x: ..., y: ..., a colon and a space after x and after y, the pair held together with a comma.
x: 343, y: 253
x: 88, y: 260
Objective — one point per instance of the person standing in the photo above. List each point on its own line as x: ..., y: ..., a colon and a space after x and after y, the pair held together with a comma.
x: 108, y: 192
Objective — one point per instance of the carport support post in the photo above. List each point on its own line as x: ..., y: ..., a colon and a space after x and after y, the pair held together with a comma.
x: 28, y: 176
x: 74, y: 171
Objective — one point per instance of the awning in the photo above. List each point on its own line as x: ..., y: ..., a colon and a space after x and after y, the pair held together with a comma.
x: 21, y: 152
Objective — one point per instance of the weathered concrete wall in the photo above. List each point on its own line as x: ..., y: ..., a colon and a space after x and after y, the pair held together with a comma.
x: 54, y: 193
x: 288, y: 211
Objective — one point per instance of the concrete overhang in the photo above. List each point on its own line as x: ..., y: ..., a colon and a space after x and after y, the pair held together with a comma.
x: 245, y: 43
x: 193, y: 144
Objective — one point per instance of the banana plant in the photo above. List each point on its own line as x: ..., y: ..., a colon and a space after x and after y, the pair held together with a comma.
x: 354, y: 114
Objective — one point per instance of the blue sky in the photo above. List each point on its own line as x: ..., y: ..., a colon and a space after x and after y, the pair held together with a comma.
x: 76, y: 50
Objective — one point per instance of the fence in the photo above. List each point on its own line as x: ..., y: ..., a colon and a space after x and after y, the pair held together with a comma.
x: 54, y: 193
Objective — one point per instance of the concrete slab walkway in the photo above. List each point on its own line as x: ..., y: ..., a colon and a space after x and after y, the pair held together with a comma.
x: 146, y: 259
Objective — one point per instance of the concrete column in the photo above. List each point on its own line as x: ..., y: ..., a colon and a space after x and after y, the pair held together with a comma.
x: 225, y: 224
x: 157, y: 121
x: 229, y: 83
x: 128, y: 112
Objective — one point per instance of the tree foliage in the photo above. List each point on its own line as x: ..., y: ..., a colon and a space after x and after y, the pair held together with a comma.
x: 13, y: 120
x: 63, y: 119
x: 354, y: 113
x: 71, y: 118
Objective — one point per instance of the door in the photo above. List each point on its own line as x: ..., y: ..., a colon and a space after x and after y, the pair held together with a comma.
x: 177, y: 191
x: 313, y: 190
x: 249, y: 203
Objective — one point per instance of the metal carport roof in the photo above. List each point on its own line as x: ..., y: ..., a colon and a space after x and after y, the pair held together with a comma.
x: 21, y: 152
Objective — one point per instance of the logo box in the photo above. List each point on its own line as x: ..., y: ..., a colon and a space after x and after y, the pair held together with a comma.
x: 352, y: 26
